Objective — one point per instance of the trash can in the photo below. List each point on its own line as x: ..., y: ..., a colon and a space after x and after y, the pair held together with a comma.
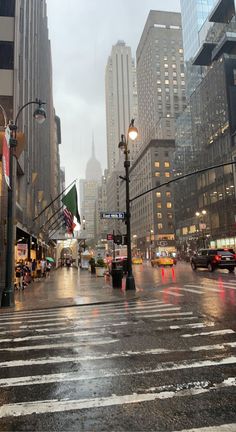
x: 117, y: 275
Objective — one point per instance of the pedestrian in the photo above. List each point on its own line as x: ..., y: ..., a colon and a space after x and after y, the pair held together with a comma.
x: 48, y: 268
x: 34, y: 266
x: 38, y: 270
x: 43, y: 267
x: 19, y: 276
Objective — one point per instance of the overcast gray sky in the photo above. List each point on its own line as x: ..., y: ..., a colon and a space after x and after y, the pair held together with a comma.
x: 82, y: 33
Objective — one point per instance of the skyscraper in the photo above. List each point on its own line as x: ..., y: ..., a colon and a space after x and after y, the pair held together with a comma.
x: 160, y: 76
x: 121, y: 98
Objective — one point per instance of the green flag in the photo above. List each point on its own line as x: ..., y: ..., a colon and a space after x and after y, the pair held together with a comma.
x: 71, y: 202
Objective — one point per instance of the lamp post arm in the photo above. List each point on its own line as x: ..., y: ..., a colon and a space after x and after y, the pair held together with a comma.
x: 4, y: 115
x: 36, y: 102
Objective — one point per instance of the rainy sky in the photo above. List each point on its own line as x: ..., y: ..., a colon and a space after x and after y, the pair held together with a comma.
x: 82, y: 33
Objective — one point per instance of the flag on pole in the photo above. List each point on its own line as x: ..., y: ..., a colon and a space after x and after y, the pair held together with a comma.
x: 71, y: 202
x: 69, y: 221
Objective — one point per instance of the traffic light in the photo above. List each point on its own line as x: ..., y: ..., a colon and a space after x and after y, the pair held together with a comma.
x: 118, y: 239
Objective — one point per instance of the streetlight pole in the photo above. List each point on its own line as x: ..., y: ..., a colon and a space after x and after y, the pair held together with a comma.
x: 40, y: 116
x: 123, y: 145
x: 202, y: 215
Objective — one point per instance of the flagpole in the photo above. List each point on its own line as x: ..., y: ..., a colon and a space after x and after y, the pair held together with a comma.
x: 54, y: 214
x: 55, y: 223
x: 58, y: 196
x: 57, y: 229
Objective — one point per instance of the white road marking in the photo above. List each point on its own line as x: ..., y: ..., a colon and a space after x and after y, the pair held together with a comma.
x: 77, y: 359
x: 60, y: 345
x: 169, y: 292
x: 206, y: 288
x: 191, y: 290
x: 195, y: 325
x: 100, y: 314
x: 52, y: 406
x: 58, y: 336
x: 211, y: 333
x: 170, y: 314
x: 222, y: 428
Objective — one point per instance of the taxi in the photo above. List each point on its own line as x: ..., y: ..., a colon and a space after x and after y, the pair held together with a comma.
x: 162, y: 261
x: 137, y: 260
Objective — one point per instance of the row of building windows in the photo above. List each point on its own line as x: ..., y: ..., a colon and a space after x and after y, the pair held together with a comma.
x: 166, y: 164
x: 158, y: 174
x: 159, y: 194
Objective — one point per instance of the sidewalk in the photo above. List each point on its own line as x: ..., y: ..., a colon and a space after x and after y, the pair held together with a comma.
x: 69, y: 287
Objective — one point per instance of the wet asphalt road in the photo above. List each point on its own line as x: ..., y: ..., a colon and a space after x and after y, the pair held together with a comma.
x: 161, y: 362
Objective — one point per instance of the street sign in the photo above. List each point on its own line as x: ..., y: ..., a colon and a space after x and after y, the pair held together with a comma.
x: 110, y: 237
x: 112, y: 215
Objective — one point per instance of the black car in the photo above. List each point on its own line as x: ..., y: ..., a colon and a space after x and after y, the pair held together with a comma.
x: 214, y: 258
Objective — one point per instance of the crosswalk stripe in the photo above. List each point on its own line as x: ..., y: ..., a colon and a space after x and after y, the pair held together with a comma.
x: 101, y: 314
x: 211, y: 333
x: 59, y: 345
x: 206, y: 288
x: 191, y: 290
x: 173, y: 293
x: 57, y: 336
x: 52, y: 406
x: 157, y: 351
x: 160, y: 313
x: 222, y: 428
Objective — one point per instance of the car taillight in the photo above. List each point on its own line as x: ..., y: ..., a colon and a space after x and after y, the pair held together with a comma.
x: 217, y: 257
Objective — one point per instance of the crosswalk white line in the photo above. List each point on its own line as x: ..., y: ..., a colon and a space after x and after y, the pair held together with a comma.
x: 231, y: 427
x: 191, y: 290
x: 78, y: 310
x: 211, y: 333
x: 173, y: 293
x: 53, y: 406
x: 157, y: 351
x: 195, y: 325
x: 24, y: 328
x: 58, y: 336
x: 160, y: 313
x: 60, y: 345
x: 100, y: 314
x: 206, y: 288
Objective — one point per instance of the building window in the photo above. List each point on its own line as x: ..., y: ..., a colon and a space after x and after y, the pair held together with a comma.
x: 167, y: 174
x: 234, y: 72
x: 166, y: 65
x: 158, y: 194
x: 166, y: 153
x: 159, y: 205
x: 167, y: 164
x: 167, y: 81
x: 169, y: 215
x: 169, y: 204
x: 6, y: 55
x: 165, y: 58
x: 168, y: 194
x: 175, y: 82
x: 157, y: 174
x: 174, y: 74
x: 159, y: 90
x: 157, y: 164
x: 166, y: 74
x: 174, y: 66
x: 159, y: 215
x: 160, y: 226
x: 181, y: 50
x: 158, y: 81
x: 7, y: 8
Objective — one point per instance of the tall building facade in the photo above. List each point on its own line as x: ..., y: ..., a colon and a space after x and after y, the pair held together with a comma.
x: 121, y: 98
x: 160, y: 76
x: 26, y: 74
x: 161, y: 96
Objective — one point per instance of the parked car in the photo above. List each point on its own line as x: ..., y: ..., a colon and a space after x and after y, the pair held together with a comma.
x: 162, y: 261
x: 214, y: 258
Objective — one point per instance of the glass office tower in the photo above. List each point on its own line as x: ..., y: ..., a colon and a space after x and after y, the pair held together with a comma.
x: 194, y: 13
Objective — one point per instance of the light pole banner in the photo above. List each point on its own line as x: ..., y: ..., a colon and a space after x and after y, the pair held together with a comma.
x: 6, y: 155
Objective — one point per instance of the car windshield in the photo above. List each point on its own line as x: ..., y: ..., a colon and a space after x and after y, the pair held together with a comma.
x: 225, y: 253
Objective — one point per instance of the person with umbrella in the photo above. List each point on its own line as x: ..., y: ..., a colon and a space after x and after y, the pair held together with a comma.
x: 48, y: 265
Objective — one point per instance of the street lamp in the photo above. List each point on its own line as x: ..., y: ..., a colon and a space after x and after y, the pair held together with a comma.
x: 123, y: 145
x: 40, y: 116
x: 202, y: 225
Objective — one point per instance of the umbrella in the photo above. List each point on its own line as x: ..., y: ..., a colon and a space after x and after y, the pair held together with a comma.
x: 50, y: 259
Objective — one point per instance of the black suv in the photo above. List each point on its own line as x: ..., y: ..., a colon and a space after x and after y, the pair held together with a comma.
x: 214, y: 258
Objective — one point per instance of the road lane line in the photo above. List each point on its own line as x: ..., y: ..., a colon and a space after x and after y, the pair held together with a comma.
x: 203, y: 287
x: 192, y: 291
x: 169, y: 292
x: 52, y: 406
x: 211, y: 333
